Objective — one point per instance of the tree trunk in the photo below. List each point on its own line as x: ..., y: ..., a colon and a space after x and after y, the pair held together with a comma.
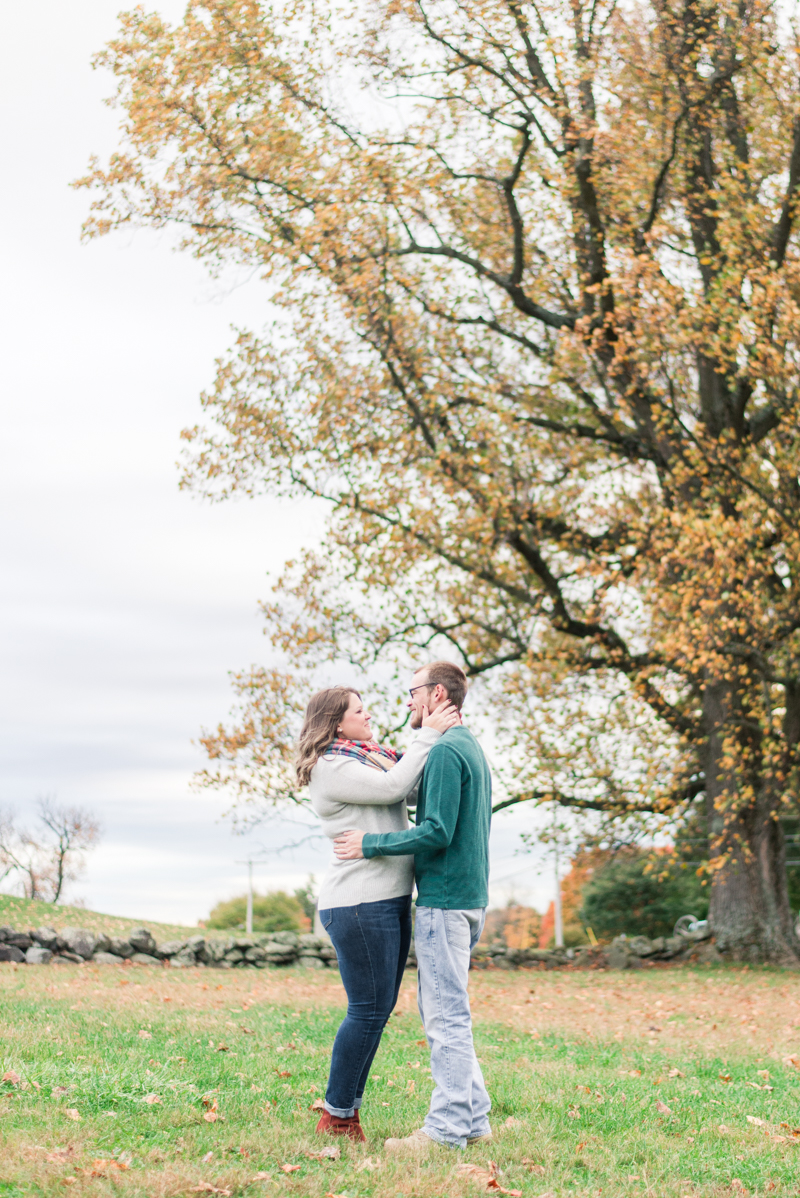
x: 749, y: 912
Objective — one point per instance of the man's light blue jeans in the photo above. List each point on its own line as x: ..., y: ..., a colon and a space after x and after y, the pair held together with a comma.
x: 460, y: 1105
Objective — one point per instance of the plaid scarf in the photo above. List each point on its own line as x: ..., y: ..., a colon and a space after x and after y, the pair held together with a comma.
x: 368, y: 751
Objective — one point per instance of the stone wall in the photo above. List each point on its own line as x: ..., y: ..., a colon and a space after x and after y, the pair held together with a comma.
x: 75, y: 946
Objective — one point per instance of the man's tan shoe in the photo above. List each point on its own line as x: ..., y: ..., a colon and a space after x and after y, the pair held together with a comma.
x: 484, y: 1139
x: 418, y: 1141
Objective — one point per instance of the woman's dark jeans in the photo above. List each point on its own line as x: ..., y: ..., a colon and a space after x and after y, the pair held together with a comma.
x: 371, y: 942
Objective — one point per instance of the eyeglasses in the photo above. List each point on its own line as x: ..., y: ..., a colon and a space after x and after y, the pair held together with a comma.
x: 422, y: 686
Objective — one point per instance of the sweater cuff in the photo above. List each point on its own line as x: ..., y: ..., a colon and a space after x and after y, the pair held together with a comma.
x: 369, y: 846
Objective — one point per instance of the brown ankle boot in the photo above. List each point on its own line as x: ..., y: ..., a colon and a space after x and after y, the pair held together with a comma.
x: 333, y: 1125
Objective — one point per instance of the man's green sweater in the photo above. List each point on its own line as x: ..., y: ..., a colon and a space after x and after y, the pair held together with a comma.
x: 450, y: 841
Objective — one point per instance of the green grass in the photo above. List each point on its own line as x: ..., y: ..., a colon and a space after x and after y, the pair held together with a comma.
x: 575, y: 1110
x: 22, y: 914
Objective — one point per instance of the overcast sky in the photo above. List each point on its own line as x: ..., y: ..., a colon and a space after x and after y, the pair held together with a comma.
x: 124, y: 602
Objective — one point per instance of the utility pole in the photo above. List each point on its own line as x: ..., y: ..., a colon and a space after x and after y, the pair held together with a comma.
x: 248, y: 926
x: 559, y: 928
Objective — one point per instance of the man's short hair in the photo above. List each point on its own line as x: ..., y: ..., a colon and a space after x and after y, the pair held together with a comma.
x: 452, y: 678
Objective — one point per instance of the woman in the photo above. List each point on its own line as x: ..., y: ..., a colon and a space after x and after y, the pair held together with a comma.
x: 364, y: 906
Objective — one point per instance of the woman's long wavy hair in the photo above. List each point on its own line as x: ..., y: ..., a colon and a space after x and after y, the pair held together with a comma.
x: 320, y: 727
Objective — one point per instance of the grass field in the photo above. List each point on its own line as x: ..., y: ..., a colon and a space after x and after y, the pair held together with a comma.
x: 156, y: 1082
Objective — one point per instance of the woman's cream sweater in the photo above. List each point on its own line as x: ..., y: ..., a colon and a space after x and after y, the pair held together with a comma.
x: 347, y: 794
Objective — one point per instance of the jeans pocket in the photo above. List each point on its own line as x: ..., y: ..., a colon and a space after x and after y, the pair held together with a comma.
x: 326, y: 917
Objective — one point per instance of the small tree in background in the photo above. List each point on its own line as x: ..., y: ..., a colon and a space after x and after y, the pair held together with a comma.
x: 276, y: 911
x: 307, y: 898
x: 631, y: 894
x: 46, y: 858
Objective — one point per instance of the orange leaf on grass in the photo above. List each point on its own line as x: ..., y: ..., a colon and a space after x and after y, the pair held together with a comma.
x: 72, y: 1113
x: 12, y: 1077
x: 206, y: 1187
x: 152, y: 1099
x: 724, y: 1077
x: 289, y: 1168
x: 102, y: 1168
x: 486, y: 1177
x: 756, y: 1121
x: 283, y: 1073
x: 317, y: 1105
x: 662, y: 1108
x: 331, y: 1153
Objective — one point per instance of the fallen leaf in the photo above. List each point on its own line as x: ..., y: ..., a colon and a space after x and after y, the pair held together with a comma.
x: 211, y: 1116
x: 754, y: 1119
x: 289, y: 1168
x: 152, y: 1099
x: 317, y: 1105
x: 368, y: 1163
x: 12, y: 1077
x: 421, y: 1043
x: 330, y: 1194
x: 222, y: 1048
x: 487, y: 1177
x: 208, y: 1156
x: 574, y: 1112
x: 283, y: 1073
x: 331, y: 1153
x: 248, y: 1031
x: 61, y: 1154
x: 724, y: 1077
x: 793, y: 1060
x: 632, y: 1072
x: 102, y: 1168
x: 512, y: 1122
x: 662, y: 1108
x: 60, y: 1090
x: 71, y: 1113
x: 763, y: 1074
x: 675, y: 1073
x: 262, y: 1177
x: 206, y: 1187
x: 144, y: 1035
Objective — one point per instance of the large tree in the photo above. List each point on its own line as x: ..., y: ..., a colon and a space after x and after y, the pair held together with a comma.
x: 539, y: 285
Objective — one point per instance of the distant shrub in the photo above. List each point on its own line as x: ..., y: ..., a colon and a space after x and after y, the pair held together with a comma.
x: 276, y: 911
x: 628, y: 895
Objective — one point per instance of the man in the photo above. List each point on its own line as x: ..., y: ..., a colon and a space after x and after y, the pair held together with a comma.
x: 450, y: 843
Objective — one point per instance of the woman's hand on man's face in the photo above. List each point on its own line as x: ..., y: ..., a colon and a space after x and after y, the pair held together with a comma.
x: 441, y: 719
x: 347, y: 847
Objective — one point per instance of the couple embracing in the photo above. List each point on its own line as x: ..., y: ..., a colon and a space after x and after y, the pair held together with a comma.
x: 361, y: 791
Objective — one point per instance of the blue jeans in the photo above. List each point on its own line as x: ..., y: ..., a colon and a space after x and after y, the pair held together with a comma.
x: 460, y: 1105
x: 372, y: 942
